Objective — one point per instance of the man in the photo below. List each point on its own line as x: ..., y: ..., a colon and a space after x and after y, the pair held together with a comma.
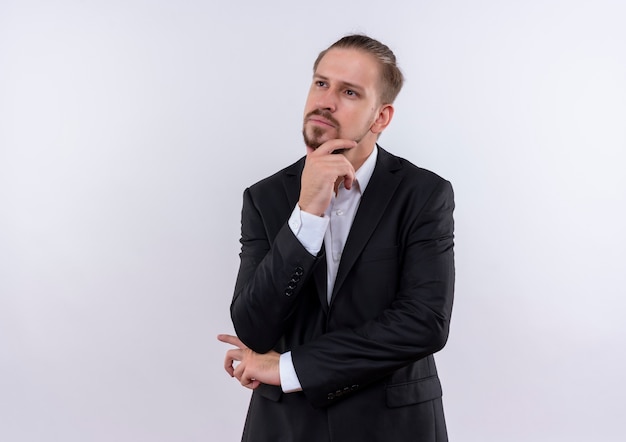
x: 346, y: 280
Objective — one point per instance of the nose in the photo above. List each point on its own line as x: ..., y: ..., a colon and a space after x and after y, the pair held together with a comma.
x: 326, y: 100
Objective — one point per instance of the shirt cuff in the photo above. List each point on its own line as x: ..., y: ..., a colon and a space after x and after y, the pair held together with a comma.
x: 309, y: 229
x: 289, y: 381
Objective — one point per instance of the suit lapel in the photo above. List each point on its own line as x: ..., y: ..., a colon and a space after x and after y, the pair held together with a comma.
x: 374, y: 201
x: 292, y: 183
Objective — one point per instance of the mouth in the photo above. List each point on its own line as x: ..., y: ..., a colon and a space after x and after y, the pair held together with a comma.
x: 320, y: 121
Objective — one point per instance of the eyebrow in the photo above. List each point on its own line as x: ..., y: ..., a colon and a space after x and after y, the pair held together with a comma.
x: 343, y: 83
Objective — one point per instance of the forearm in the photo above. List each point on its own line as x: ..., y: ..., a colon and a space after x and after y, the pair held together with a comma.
x: 266, y: 293
x: 404, y: 333
x: 412, y: 326
x: 272, y: 272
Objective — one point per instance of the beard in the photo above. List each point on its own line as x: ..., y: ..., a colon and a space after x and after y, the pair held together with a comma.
x: 314, y: 139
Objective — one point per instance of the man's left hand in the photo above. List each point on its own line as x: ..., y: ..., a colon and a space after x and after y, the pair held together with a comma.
x: 253, y: 369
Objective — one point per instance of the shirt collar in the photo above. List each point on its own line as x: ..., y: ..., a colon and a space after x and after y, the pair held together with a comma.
x: 364, y: 173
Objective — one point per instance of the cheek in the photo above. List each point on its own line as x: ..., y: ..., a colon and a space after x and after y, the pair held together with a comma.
x: 364, y: 118
x: 371, y: 117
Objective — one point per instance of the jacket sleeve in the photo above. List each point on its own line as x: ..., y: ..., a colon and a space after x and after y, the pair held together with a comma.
x: 273, y: 269
x: 414, y: 326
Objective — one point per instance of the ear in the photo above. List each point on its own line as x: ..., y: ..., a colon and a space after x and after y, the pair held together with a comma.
x: 383, y: 119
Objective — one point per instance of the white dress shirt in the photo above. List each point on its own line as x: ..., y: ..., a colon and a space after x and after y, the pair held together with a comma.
x: 332, y: 229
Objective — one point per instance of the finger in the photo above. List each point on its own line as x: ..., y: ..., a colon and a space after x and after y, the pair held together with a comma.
x: 231, y: 356
x: 253, y: 384
x: 228, y: 366
x: 332, y: 145
x: 230, y: 339
x: 239, y: 372
x: 347, y: 181
x: 246, y: 380
x: 341, y: 146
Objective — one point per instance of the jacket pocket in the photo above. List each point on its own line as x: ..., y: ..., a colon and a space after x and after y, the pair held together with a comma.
x: 413, y: 392
x: 271, y: 392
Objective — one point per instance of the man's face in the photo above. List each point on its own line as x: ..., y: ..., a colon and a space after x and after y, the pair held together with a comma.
x: 343, y: 101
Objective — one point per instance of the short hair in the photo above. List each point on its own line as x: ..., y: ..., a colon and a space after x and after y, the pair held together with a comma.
x: 391, y: 76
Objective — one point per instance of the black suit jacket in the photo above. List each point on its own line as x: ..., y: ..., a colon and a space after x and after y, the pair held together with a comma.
x: 364, y: 361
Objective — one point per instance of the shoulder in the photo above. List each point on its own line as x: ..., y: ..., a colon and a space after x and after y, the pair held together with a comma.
x: 277, y: 179
x: 416, y: 190
x: 412, y: 176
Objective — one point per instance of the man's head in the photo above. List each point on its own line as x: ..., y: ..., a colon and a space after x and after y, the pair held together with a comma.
x: 355, y: 82
x: 391, y: 78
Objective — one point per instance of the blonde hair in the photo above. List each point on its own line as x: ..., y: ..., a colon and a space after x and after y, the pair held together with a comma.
x: 391, y: 76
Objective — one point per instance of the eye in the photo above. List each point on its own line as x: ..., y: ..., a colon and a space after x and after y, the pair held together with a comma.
x: 351, y: 93
x: 320, y: 83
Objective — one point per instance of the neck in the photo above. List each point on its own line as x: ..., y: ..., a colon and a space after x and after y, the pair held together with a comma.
x: 357, y: 155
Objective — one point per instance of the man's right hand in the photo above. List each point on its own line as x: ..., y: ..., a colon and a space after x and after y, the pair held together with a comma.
x: 321, y: 171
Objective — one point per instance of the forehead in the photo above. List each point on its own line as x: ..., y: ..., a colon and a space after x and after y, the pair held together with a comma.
x: 351, y: 66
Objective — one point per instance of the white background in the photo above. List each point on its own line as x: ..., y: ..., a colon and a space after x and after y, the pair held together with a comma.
x: 129, y: 129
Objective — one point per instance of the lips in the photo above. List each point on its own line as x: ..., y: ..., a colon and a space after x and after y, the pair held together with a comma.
x: 321, y: 117
x: 321, y: 121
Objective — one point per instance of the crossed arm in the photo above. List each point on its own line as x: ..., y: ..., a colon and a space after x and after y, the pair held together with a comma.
x: 320, y: 174
x: 253, y: 369
x: 413, y: 326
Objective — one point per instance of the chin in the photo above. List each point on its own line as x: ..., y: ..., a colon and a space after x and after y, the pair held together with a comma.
x: 314, y: 140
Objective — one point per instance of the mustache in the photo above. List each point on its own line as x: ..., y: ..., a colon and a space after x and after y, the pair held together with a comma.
x: 324, y: 114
